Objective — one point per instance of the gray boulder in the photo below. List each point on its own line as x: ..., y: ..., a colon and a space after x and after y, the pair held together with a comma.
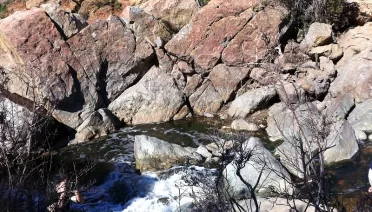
x: 283, y: 123
x: 318, y: 34
x: 251, y: 101
x: 155, y: 154
x: 70, y: 23
x: 206, y: 100
x: 340, y: 107
x: 361, y: 117
x: 342, y: 142
x: 155, y: 98
x: 273, y: 173
x: 99, y: 123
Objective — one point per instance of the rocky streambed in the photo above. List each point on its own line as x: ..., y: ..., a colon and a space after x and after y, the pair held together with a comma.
x: 119, y: 187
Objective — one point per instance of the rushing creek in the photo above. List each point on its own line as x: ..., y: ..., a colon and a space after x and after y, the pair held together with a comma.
x: 118, y: 187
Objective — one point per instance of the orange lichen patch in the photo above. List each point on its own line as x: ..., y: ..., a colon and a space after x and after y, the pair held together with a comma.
x: 101, y: 13
x: 69, y: 6
x: 14, y: 7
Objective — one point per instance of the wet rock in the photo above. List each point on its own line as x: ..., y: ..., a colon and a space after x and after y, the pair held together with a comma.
x: 273, y: 174
x: 155, y: 98
x: 343, y: 143
x: 241, y: 124
x: 205, y: 99
x: 99, y: 123
x: 319, y: 34
x: 226, y: 79
x: 204, y: 152
x: 155, y: 154
x: 182, y: 113
x: 251, y: 101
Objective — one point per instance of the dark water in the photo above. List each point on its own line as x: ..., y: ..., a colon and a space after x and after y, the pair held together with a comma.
x: 349, y: 178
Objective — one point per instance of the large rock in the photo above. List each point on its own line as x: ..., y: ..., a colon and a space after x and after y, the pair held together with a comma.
x: 318, y: 34
x: 226, y: 79
x: 353, y: 73
x: 155, y: 98
x: 219, y: 31
x: 99, y: 123
x: 251, y: 101
x: 283, y: 122
x: 273, y: 174
x: 340, y: 107
x: 76, y: 77
x: 15, y: 121
x: 206, y: 100
x: 176, y: 13
x: 342, y: 143
x: 155, y: 154
x: 69, y: 23
x: 361, y: 117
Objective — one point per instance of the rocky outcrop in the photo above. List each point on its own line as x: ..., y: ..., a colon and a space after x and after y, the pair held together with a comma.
x: 155, y: 154
x: 353, y: 75
x: 251, y: 101
x: 219, y: 31
x: 273, y: 174
x: 75, y: 77
x: 174, y: 13
x: 155, y: 98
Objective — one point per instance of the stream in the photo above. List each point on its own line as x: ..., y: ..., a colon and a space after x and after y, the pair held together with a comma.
x: 119, y: 187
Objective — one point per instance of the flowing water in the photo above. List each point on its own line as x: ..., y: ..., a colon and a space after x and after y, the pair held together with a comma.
x: 118, y: 187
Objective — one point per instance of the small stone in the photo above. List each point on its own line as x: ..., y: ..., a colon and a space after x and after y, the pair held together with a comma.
x: 208, y: 115
x: 204, y: 152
